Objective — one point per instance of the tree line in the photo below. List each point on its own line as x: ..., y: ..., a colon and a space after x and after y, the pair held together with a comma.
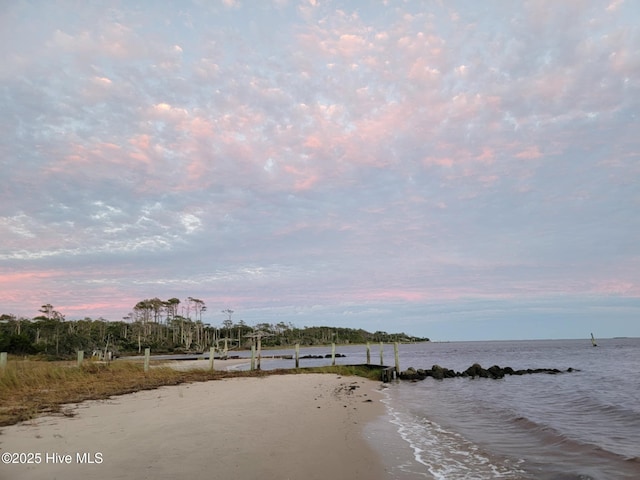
x: 168, y: 326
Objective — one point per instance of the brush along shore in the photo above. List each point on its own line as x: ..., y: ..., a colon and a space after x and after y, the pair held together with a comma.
x: 29, y: 388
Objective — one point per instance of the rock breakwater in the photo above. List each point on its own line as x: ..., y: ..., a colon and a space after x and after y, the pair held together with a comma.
x: 475, y: 370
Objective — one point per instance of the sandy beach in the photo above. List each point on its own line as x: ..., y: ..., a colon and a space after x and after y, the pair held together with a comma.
x: 204, y: 364
x: 307, y: 426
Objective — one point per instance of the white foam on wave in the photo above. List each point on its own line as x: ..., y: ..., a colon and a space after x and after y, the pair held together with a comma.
x: 443, y: 454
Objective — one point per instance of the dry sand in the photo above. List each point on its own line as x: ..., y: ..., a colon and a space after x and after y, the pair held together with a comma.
x: 204, y: 364
x: 306, y: 426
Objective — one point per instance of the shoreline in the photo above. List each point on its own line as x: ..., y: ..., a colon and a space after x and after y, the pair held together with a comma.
x: 274, y: 427
x: 221, y: 365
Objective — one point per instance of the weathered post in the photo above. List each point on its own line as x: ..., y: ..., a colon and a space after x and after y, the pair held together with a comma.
x: 257, y: 337
x: 395, y: 353
x: 381, y: 353
x: 212, y: 354
x: 80, y: 357
x: 3, y: 361
x: 226, y: 349
x: 297, y: 355
x: 333, y: 354
x: 259, y: 352
x: 147, y: 354
x: 253, y: 357
x: 368, y: 353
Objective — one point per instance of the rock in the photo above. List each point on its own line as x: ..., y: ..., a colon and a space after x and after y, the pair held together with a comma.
x: 412, y: 374
x: 437, y: 372
x: 495, y: 372
x: 476, y: 370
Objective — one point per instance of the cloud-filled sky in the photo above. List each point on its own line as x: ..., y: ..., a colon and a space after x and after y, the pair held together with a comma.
x: 458, y: 170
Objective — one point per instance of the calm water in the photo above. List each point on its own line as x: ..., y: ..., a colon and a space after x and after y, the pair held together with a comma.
x: 580, y: 425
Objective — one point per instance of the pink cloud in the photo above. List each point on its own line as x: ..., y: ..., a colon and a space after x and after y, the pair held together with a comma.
x: 440, y: 162
x: 200, y: 127
x: 141, y: 157
x: 207, y: 69
x: 614, y: 5
x: 624, y: 62
x: 112, y: 39
x: 487, y: 156
x: 167, y: 112
x: 529, y: 153
x: 617, y: 287
x: 422, y: 71
x: 488, y: 179
x: 141, y: 141
x: 16, y: 278
x: 306, y: 183
x: 80, y: 158
x: 350, y: 45
x: 417, y: 295
x: 303, y: 179
x: 404, y: 295
x: 313, y: 142
x: 143, y: 148
x: 25, y: 291
x: 88, y: 309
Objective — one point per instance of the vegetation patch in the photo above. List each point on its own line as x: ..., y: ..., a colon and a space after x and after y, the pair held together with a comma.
x: 158, y: 325
x: 29, y: 388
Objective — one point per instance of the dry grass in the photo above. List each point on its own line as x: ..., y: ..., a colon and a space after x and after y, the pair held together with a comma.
x: 29, y: 388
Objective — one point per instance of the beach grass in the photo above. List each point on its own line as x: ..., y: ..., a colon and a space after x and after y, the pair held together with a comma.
x: 346, y: 370
x: 29, y: 388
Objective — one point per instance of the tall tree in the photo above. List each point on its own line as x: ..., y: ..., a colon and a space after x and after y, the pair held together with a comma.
x: 228, y: 323
x: 47, y: 310
x: 172, y: 308
x: 196, y: 306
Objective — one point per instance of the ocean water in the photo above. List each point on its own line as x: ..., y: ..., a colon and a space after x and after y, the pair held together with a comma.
x: 580, y: 425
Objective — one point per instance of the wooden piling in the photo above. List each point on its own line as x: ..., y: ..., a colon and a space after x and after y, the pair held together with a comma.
x: 259, y: 352
x: 387, y: 374
x: 333, y: 354
x: 3, y: 361
x: 80, y: 357
x: 395, y: 354
x: 368, y: 353
x: 253, y: 357
x: 381, y: 353
x: 147, y: 355
x: 297, y: 355
x: 212, y: 354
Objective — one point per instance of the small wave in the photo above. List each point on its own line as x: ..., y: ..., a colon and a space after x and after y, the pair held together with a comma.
x: 447, y: 455
x: 548, y: 434
x: 620, y: 412
x: 568, y: 476
x: 580, y: 426
x: 557, y: 446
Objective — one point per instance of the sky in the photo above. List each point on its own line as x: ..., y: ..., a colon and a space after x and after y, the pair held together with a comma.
x: 458, y: 170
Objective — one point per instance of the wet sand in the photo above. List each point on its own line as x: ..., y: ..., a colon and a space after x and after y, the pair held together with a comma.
x: 306, y: 426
